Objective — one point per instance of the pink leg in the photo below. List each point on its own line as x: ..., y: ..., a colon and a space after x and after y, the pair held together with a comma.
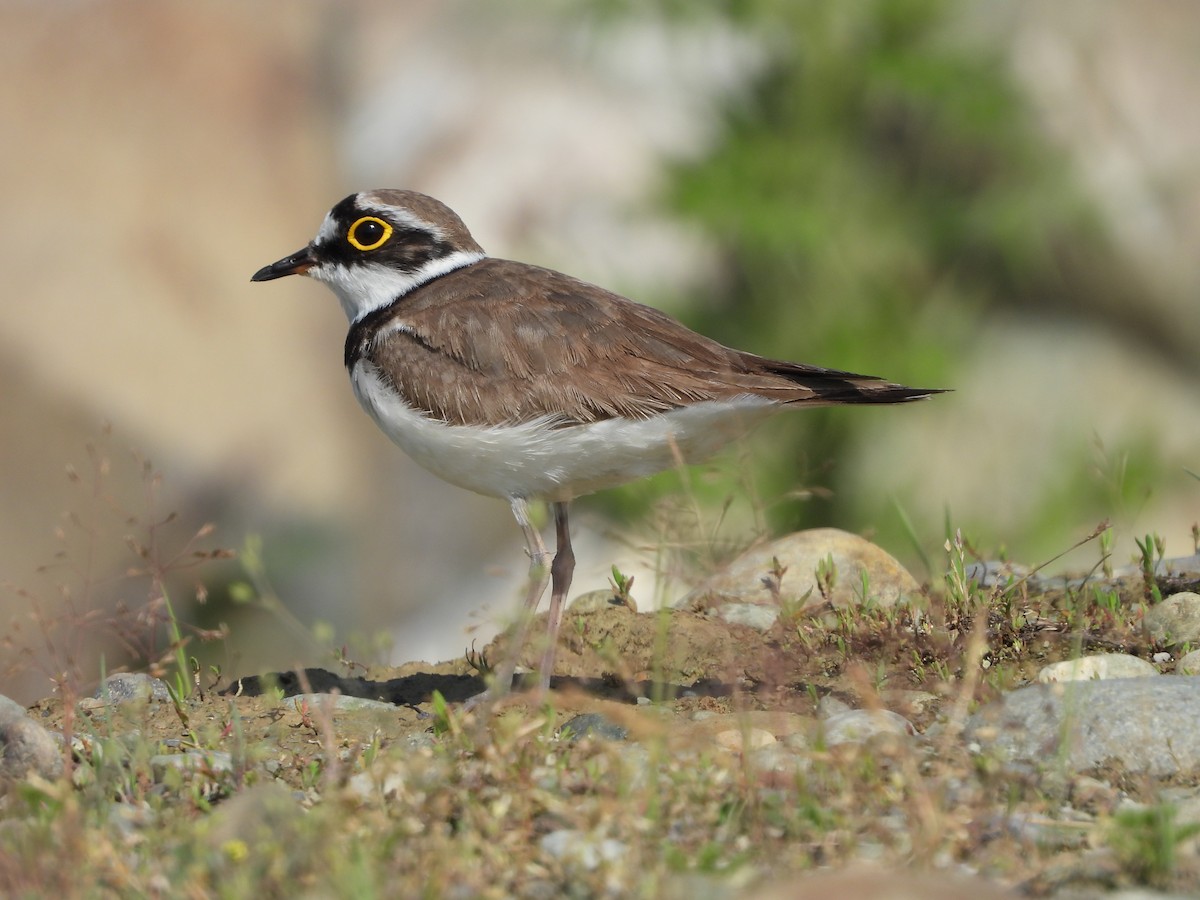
x: 561, y: 571
x: 539, y: 574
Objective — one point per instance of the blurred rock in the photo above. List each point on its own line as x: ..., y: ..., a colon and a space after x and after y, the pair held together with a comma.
x: 25, y: 746
x: 749, y: 578
x: 1149, y: 725
x: 1096, y: 667
x: 128, y: 686
x: 1175, y: 621
x: 1189, y: 664
x: 859, y: 725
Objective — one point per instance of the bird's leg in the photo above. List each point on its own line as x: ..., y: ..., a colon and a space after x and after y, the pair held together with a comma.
x: 539, y: 574
x: 561, y: 571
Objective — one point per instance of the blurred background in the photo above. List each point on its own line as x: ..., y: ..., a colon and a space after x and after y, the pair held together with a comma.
x: 994, y: 196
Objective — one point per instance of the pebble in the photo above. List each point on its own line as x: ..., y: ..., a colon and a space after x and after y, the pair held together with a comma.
x: 748, y: 579
x: 796, y: 741
x: 1096, y: 668
x: 596, y: 726
x: 26, y: 748
x: 1189, y: 664
x: 747, y: 729
x: 573, y: 845
x: 737, y: 740
x: 829, y: 706
x: 780, y: 758
x: 125, y: 687
x: 859, y: 725
x: 909, y: 702
x: 1175, y: 621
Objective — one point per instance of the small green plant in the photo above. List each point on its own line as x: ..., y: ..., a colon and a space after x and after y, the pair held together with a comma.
x: 826, y: 576
x: 1151, y: 549
x: 864, y: 587
x: 774, y: 579
x: 1147, y: 840
x: 964, y: 590
x: 1106, y: 599
x: 444, y: 721
x: 478, y: 661
x: 1106, y: 550
x: 622, y: 586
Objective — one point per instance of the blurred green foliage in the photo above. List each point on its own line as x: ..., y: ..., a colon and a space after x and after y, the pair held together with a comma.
x: 880, y: 187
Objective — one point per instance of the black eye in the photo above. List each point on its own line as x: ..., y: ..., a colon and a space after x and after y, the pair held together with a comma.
x: 369, y: 233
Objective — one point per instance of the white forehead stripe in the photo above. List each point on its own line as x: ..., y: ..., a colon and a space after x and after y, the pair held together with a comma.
x: 398, y: 215
x: 327, y: 230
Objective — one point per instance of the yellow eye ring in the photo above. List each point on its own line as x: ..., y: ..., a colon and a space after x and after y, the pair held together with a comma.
x: 369, y: 233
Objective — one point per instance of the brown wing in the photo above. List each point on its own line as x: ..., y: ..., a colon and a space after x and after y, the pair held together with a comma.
x: 503, y: 341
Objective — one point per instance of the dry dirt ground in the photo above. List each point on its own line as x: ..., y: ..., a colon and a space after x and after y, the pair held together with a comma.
x: 925, y: 802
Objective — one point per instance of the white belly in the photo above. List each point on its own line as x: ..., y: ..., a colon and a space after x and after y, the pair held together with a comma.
x: 539, y: 461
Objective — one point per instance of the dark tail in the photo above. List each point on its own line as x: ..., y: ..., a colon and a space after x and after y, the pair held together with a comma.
x: 834, y: 386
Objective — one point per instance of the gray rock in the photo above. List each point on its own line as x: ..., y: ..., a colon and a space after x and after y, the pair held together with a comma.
x: 1175, y: 621
x: 576, y: 846
x: 859, y: 725
x: 748, y: 579
x: 1189, y: 664
x: 795, y: 741
x: 595, y: 725
x: 129, y: 686
x: 1149, y: 725
x: 830, y: 706
x: 779, y: 759
x: 743, y: 740
x: 26, y: 748
x: 1097, y: 667
x: 1179, y: 566
x: 909, y: 702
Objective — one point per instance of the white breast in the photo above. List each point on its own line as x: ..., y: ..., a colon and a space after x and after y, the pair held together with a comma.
x: 536, y: 460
